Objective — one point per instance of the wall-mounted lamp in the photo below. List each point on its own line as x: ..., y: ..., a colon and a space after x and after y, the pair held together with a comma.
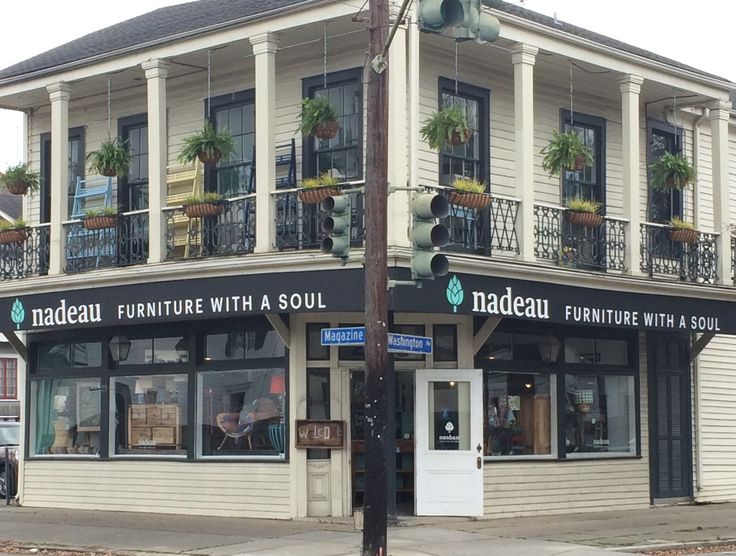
x: 119, y: 348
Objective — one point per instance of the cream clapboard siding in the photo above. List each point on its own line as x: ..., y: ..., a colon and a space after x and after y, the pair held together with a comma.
x: 718, y: 415
x: 732, y: 167
x: 218, y: 489
x: 549, y: 487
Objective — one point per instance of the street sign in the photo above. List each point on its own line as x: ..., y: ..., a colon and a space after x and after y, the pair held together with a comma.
x: 355, y: 336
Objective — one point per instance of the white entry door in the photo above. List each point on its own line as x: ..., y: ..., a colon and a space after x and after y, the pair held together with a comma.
x: 449, y: 442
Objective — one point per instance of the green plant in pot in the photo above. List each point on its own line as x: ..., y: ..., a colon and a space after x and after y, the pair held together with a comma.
x: 19, y: 179
x: 319, y: 118
x: 566, y: 151
x: 672, y: 170
x: 584, y: 212
x: 448, y: 125
x: 207, y: 204
x: 316, y: 190
x: 99, y: 218
x: 683, y: 231
x: 207, y: 145
x: 111, y: 159
x: 469, y: 193
x: 13, y: 232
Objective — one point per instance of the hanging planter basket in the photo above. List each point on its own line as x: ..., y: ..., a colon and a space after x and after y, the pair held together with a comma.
x: 460, y: 138
x: 13, y: 236
x: 579, y: 164
x: 109, y: 172
x: 201, y: 210
x: 585, y: 219
x: 470, y: 200
x: 326, y: 131
x: 99, y: 222
x: 18, y: 187
x: 685, y: 236
x: 315, y: 195
x: 213, y: 159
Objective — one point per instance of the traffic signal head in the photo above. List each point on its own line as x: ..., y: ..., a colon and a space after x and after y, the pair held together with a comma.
x: 336, y: 224
x: 437, y: 15
x: 426, y: 234
x: 464, y: 16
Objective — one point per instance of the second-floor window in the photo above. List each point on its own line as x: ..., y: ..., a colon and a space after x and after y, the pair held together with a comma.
x: 133, y: 192
x: 590, y: 182
x: 342, y: 156
x: 75, y: 168
x: 665, y: 203
x: 8, y: 379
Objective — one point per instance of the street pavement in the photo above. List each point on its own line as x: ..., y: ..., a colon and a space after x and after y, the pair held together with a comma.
x: 587, y: 534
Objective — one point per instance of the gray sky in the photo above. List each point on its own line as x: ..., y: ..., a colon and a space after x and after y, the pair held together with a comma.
x: 697, y: 35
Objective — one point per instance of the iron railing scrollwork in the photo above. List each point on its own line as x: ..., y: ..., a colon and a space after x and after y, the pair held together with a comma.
x: 29, y: 257
x: 689, y: 262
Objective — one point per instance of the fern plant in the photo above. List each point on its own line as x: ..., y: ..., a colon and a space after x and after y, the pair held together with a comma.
x: 111, y: 159
x: 672, y: 170
x: 566, y: 151
x: 447, y: 125
x: 316, y: 111
x: 207, y: 145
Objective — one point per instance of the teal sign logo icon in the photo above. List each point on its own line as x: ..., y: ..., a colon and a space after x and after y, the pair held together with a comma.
x: 17, y: 313
x: 455, y: 293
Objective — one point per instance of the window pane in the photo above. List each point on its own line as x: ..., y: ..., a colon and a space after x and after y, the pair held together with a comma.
x: 517, y: 414
x: 532, y: 347
x: 220, y: 347
x: 65, y: 356
x: 612, y: 352
x: 445, y: 342
x: 150, y: 414
x: 315, y: 349
x: 449, y: 413
x: 241, y: 412
x: 318, y: 403
x: 497, y: 347
x: 580, y: 350
x: 599, y: 414
x: 65, y: 416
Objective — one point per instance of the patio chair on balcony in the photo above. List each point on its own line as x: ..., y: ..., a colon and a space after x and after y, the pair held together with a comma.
x: 183, y: 181
x: 89, y: 248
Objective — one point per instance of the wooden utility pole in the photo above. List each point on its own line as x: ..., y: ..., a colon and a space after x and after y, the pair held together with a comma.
x: 376, y: 291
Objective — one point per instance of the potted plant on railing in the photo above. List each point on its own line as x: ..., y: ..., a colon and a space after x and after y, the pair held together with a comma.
x: 319, y: 118
x: 207, y: 145
x: 447, y: 125
x: 111, y: 159
x: 584, y: 212
x: 566, y: 151
x: 672, y: 170
x: 470, y: 193
x: 199, y: 206
x: 19, y: 179
x: 100, y: 218
x: 315, y: 190
x: 683, y: 231
x: 13, y: 232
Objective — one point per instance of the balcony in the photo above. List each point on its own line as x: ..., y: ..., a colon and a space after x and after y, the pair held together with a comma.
x: 601, y: 248
x: 661, y: 256
x: 26, y: 258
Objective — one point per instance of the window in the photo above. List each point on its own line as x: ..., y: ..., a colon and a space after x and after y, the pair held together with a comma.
x: 254, y: 343
x: 8, y: 379
x: 666, y: 203
x: 318, y: 404
x: 342, y: 156
x: 64, y: 355
x: 234, y: 113
x: 470, y: 159
x: 241, y: 412
x: 445, y: 342
x: 150, y: 414
x: 76, y: 169
x: 148, y: 351
x: 65, y: 416
x: 590, y: 182
x: 133, y: 188
x: 315, y: 349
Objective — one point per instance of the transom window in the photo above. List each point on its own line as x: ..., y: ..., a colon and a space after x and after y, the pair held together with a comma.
x: 8, y: 379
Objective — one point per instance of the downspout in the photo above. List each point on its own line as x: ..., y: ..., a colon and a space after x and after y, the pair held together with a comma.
x: 697, y: 448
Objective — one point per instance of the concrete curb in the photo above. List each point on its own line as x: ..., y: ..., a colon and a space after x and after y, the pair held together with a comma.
x: 674, y: 545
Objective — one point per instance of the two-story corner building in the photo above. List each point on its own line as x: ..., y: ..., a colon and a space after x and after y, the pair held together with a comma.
x: 169, y: 359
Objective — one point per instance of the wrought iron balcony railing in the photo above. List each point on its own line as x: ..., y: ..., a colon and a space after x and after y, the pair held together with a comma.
x: 123, y: 244
x: 27, y: 257
x: 661, y: 256
x: 298, y: 223
x: 558, y: 239
x: 230, y: 232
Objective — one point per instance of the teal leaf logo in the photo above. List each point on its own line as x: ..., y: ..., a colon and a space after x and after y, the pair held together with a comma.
x: 455, y: 293
x: 17, y: 313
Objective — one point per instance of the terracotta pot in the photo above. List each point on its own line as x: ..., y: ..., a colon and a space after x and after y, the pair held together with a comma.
x: 315, y: 195
x: 204, y: 159
x: 685, y: 236
x: 13, y: 236
x: 200, y: 210
x: 470, y: 200
x: 579, y: 164
x: 587, y: 219
x: 99, y: 222
x: 109, y: 172
x: 460, y: 139
x: 326, y: 131
x: 18, y: 188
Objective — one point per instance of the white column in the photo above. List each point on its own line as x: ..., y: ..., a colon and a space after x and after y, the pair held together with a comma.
x: 719, y: 115
x: 523, y: 57
x: 264, y: 48
x: 156, y: 72
x: 59, y: 94
x: 630, y: 87
x: 398, y: 202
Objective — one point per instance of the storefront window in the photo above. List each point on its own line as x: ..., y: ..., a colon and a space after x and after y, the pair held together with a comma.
x: 65, y: 418
x: 241, y: 413
x: 445, y: 342
x: 148, y: 351
x: 257, y: 342
x: 599, y: 414
x: 517, y: 414
x: 150, y: 414
x: 66, y: 356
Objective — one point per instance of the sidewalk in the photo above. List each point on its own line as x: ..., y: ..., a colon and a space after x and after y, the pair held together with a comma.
x: 572, y: 535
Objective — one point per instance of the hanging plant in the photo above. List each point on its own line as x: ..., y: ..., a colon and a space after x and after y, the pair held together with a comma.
x: 683, y: 231
x: 469, y: 193
x: 315, y: 190
x: 447, y: 125
x: 98, y: 219
x: 207, y: 145
x: 672, y: 170
x: 566, y: 151
x: 584, y: 212
x: 199, y: 206
x: 19, y: 179
x: 319, y: 118
x: 111, y: 159
x: 13, y: 232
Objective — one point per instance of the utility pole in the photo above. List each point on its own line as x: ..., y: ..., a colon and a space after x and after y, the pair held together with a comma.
x: 376, y: 291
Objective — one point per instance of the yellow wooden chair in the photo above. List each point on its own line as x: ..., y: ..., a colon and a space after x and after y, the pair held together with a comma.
x: 182, y: 182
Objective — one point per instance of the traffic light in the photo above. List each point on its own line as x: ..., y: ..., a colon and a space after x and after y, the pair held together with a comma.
x: 464, y: 16
x: 336, y: 223
x: 426, y: 234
